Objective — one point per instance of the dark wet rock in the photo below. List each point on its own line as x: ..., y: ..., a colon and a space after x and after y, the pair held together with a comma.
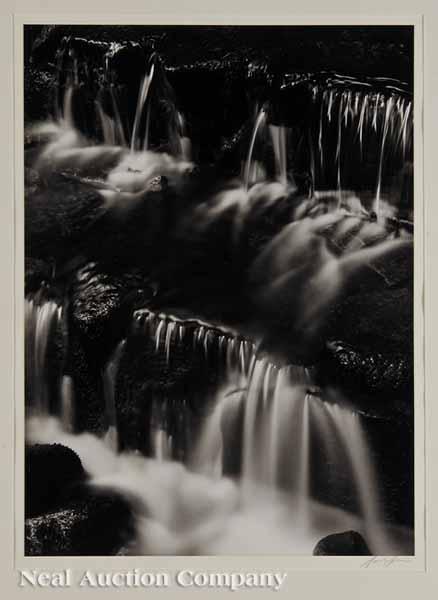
x: 39, y: 90
x: 135, y: 236
x: 150, y: 390
x: 369, y: 354
x: 348, y: 543
x: 391, y: 444
x: 96, y: 296
x: 100, y: 313
x: 372, y: 354
x: 102, y: 301
x: 37, y: 272
x: 51, y: 469
x: 375, y: 381
x: 98, y: 522
x: 59, y: 217
x: 299, y: 48
x: 218, y: 112
x: 291, y: 103
x: 89, y: 407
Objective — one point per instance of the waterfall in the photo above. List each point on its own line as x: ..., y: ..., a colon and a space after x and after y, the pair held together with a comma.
x: 198, y: 510
x: 277, y: 413
x: 349, y: 429
x: 278, y: 135
x: 168, y: 331
x: 281, y: 416
x: 354, y: 126
x: 141, y: 101
x: 249, y: 160
x: 389, y: 106
x: 162, y: 441
x: 338, y: 149
x: 112, y: 126
x: 42, y: 317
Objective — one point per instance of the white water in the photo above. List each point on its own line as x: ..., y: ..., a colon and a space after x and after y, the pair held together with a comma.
x: 249, y: 165
x: 388, y: 111
x: 41, y: 318
x: 141, y: 102
x: 185, y: 511
x: 363, y: 120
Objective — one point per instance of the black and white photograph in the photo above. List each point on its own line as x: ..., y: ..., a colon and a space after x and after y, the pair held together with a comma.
x: 219, y: 290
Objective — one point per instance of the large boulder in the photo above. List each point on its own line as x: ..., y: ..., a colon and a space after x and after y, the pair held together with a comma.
x: 51, y: 470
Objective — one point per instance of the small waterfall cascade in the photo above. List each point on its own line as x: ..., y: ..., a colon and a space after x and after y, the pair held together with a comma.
x: 276, y: 413
x: 141, y: 103
x: 251, y: 166
x: 356, y: 125
x: 279, y: 136
x: 42, y: 318
x: 104, y: 91
x: 231, y: 350
x: 282, y: 419
x: 271, y: 504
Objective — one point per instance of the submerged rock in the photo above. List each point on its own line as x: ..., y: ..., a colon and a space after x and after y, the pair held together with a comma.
x: 348, y: 543
x: 51, y: 469
x: 96, y: 523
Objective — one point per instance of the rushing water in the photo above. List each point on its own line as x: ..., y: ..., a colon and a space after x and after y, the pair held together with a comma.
x: 42, y: 318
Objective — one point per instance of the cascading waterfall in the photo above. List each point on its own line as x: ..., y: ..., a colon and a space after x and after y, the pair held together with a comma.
x: 276, y: 453
x: 141, y: 102
x: 250, y: 166
x: 271, y: 505
x: 166, y: 330
x: 360, y: 121
x: 252, y: 467
x: 278, y: 134
x: 42, y: 317
x: 389, y: 107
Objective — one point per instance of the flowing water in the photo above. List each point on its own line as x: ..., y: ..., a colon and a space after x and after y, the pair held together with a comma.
x: 42, y: 318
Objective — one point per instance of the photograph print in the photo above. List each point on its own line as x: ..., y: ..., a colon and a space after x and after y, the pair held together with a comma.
x: 219, y: 226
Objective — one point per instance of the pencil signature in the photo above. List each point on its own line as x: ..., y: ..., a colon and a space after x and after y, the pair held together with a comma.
x: 385, y: 561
